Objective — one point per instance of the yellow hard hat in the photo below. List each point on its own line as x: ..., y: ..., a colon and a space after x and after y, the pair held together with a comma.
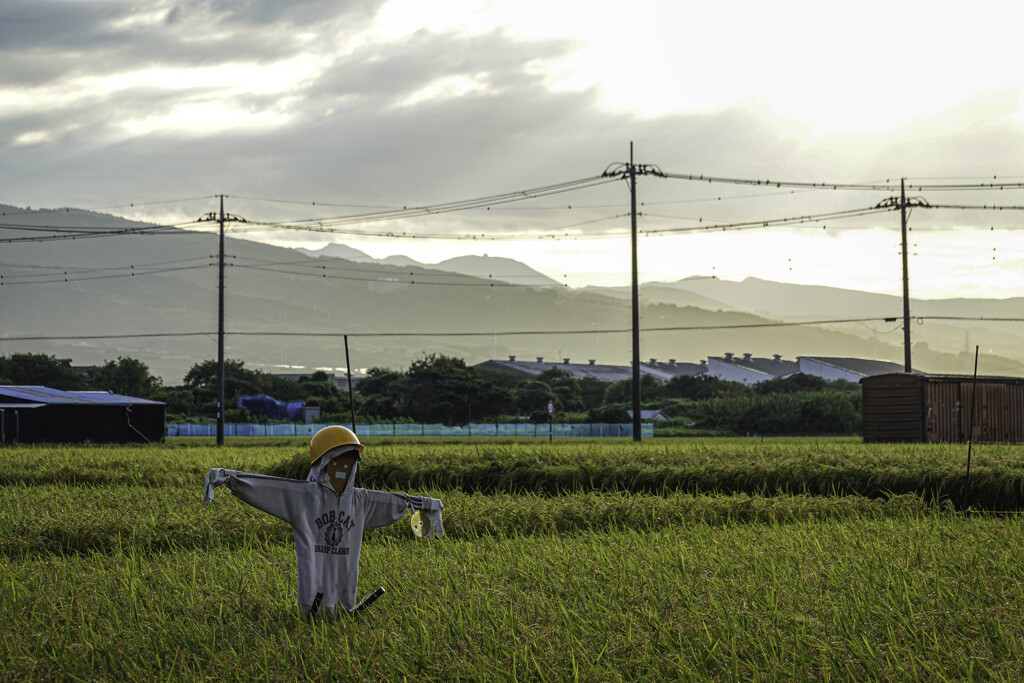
x: 330, y: 438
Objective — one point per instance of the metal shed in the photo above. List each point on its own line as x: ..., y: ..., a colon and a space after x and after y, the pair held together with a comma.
x: 937, y: 408
x: 31, y: 414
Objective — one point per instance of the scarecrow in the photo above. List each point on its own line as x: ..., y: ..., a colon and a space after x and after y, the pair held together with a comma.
x: 328, y: 513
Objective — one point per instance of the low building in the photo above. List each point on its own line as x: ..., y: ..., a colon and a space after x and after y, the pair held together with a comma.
x: 33, y: 414
x: 750, y: 370
x: 649, y: 415
x: 849, y: 369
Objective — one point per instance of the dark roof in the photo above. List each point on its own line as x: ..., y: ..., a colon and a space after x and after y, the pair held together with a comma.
x: 650, y: 415
x: 604, y: 373
x: 48, y: 396
x: 858, y: 366
x: 771, y: 367
x: 676, y: 369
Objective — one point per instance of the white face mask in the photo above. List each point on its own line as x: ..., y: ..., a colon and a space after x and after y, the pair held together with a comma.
x: 340, y: 469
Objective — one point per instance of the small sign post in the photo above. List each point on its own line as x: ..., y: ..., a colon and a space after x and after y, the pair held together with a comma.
x: 551, y: 425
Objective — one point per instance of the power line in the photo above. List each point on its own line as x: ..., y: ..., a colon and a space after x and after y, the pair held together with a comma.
x: 887, y: 186
x: 297, y: 202
x: 36, y: 212
x: 82, y: 269
x: 83, y: 233
x: 508, y: 333
x: 550, y: 235
x: 88, y: 337
x: 411, y: 282
x: 73, y: 277
x: 445, y: 207
x: 425, y: 270
x: 773, y: 222
x: 978, y: 207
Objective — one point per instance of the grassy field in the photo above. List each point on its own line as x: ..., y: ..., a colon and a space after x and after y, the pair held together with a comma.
x: 562, y: 561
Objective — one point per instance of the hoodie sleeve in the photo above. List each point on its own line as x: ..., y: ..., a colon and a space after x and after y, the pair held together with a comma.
x: 280, y: 497
x: 383, y: 508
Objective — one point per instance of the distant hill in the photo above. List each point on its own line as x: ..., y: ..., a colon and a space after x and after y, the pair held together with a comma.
x: 129, y: 285
x: 486, y: 267
x: 667, y: 294
x: 342, y: 251
x: 496, y: 268
x: 782, y: 301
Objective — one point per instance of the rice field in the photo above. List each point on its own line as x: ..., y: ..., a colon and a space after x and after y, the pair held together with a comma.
x: 562, y: 561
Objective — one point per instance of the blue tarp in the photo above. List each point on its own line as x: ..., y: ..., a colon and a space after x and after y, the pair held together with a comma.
x: 266, y: 406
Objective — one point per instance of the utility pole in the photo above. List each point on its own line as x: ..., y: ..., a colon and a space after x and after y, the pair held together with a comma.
x: 906, y: 279
x: 351, y: 398
x: 629, y: 172
x: 220, y: 217
x: 903, y: 203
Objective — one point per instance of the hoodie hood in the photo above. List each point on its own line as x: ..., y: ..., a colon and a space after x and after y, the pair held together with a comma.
x: 318, y: 473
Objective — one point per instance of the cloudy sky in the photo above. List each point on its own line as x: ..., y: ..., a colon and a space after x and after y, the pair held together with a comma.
x: 325, y: 109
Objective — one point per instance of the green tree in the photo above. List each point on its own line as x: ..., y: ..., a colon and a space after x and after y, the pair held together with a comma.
x: 439, y: 388
x: 180, y: 401
x: 532, y: 397
x: 436, y: 388
x: 699, y: 387
x: 795, y: 383
x: 622, y: 391
x: 126, y: 376
x: 381, y: 391
x: 565, y: 387
x: 592, y: 392
x: 41, y: 370
x: 238, y: 381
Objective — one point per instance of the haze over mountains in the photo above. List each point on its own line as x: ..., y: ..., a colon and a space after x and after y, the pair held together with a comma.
x: 287, y: 309
x: 486, y: 267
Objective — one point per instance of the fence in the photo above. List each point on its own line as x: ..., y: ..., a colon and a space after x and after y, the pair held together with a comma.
x: 520, y: 430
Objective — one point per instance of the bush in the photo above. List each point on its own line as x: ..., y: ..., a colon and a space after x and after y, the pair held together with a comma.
x: 613, y: 413
x: 819, y: 412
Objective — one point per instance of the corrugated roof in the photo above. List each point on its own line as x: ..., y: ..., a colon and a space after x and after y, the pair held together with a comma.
x: 46, y: 395
x: 859, y: 366
x: 770, y: 367
x: 674, y: 368
x: 604, y: 373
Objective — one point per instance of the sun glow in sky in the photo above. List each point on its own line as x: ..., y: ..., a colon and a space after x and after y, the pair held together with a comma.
x: 409, y: 102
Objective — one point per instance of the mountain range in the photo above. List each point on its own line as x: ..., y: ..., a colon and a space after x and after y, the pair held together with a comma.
x: 152, y: 295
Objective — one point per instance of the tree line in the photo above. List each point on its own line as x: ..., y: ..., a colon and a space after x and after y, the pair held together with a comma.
x: 443, y: 389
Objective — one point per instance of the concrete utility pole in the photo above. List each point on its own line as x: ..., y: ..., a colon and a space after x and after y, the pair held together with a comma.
x: 629, y: 172
x: 220, y: 329
x: 903, y: 203
x: 906, y: 280
x: 220, y: 217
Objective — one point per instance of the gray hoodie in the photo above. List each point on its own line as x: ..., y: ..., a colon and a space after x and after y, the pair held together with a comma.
x: 327, y: 527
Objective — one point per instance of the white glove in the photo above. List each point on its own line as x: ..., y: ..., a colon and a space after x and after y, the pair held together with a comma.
x: 214, y: 478
x: 432, y: 509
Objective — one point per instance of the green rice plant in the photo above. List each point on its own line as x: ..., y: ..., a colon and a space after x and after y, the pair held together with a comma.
x: 924, y: 598
x: 63, y: 519
x: 715, y: 466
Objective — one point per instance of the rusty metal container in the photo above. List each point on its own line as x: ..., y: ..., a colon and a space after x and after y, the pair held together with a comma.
x: 919, y: 408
